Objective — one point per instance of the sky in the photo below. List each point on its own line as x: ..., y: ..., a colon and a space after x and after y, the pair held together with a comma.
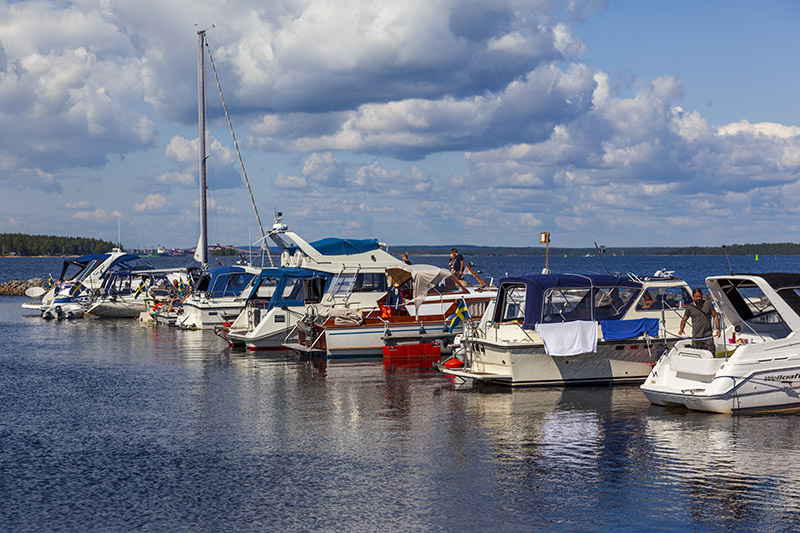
x: 428, y: 122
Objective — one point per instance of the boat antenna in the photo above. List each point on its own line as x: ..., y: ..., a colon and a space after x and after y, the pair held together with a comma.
x: 238, y: 153
x: 600, y: 251
x: 725, y: 250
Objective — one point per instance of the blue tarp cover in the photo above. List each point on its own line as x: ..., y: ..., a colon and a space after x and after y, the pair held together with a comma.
x: 90, y: 257
x: 332, y: 246
x: 537, y: 284
x: 627, y: 329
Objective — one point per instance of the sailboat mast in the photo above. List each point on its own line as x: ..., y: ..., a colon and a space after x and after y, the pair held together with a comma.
x: 202, y: 252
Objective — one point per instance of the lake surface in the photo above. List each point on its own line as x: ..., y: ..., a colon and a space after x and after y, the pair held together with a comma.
x: 114, y: 425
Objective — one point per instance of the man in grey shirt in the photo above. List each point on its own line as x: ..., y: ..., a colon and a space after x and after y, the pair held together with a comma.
x: 701, y: 311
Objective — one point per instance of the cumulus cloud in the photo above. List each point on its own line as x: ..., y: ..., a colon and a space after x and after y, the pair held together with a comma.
x: 100, y: 216
x: 152, y: 203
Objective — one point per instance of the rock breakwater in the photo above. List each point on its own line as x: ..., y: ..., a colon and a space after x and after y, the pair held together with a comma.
x: 17, y: 287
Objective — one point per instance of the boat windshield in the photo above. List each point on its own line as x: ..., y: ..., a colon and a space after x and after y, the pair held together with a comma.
x: 656, y: 299
x: 755, y: 308
x: 511, y: 306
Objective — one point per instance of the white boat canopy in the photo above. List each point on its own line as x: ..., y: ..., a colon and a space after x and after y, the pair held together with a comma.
x: 424, y: 278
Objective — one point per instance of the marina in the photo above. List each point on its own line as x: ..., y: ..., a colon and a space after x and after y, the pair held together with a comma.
x: 115, y: 424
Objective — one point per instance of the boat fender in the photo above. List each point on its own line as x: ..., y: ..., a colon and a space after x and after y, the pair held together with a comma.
x: 453, y: 363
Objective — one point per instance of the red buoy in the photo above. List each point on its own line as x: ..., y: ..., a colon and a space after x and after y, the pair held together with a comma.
x: 453, y: 363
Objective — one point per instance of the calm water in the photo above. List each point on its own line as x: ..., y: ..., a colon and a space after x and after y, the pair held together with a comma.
x: 112, y: 425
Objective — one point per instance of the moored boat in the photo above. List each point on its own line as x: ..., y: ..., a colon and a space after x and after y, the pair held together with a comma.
x: 756, y: 364
x: 417, y: 304
x: 80, y: 279
x: 558, y: 329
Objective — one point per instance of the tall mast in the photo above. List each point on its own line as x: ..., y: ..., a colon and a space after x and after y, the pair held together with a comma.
x: 201, y: 255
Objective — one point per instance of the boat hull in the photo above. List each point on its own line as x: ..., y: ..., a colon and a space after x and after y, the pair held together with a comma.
x: 529, y: 365
x: 117, y: 309
x: 687, y: 378
x: 207, y: 315
x: 261, y: 329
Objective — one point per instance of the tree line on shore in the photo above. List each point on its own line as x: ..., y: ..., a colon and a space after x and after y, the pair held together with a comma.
x: 28, y: 245
x: 784, y: 248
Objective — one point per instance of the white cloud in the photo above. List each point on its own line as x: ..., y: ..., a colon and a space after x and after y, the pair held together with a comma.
x: 100, y: 216
x: 152, y: 203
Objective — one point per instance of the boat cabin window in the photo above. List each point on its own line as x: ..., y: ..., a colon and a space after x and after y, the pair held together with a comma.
x: 343, y: 283
x: 266, y: 287
x: 370, y: 282
x: 314, y: 288
x: 612, y: 302
x: 511, y: 303
x: 656, y: 299
x: 231, y: 284
x: 566, y: 305
x: 293, y: 289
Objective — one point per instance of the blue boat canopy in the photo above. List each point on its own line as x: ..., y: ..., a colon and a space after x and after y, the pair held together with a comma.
x: 541, y: 289
x: 289, y: 283
x: 333, y: 246
x: 224, y: 281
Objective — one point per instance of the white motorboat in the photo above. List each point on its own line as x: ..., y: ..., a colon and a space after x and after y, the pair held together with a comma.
x: 418, y: 305
x: 558, y: 329
x: 756, y: 366
x: 81, y: 278
x: 345, y: 274
x: 276, y: 302
x: 217, y: 297
x: 124, y: 293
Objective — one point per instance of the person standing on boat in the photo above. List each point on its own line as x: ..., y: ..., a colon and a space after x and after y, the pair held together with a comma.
x: 701, y: 311
x: 405, y: 258
x: 457, y: 264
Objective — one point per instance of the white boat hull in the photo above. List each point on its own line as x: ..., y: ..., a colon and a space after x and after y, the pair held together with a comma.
x: 527, y: 365
x: 704, y: 383
x: 259, y: 329
x: 208, y: 314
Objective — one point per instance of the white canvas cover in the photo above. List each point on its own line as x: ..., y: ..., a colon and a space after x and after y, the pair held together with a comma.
x: 424, y: 278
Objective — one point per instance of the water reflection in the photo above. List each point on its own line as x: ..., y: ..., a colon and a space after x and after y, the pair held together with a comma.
x: 731, y: 468
x: 98, y: 414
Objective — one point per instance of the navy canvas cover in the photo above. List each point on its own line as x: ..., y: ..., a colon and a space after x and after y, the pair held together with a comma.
x: 537, y: 284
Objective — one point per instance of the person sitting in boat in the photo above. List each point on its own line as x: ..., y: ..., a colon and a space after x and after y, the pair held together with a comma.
x: 405, y: 258
x: 457, y: 264
x: 701, y: 310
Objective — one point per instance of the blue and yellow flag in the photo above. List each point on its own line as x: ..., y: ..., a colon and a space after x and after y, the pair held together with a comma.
x: 139, y: 290
x: 461, y: 314
x: 184, y: 288
x: 50, y: 282
x: 76, y: 289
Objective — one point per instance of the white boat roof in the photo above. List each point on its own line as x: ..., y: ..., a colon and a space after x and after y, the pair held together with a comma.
x: 782, y: 290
